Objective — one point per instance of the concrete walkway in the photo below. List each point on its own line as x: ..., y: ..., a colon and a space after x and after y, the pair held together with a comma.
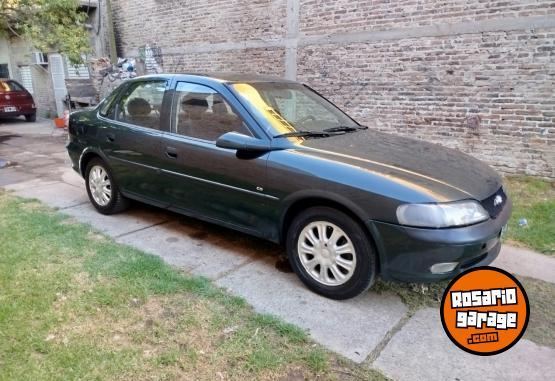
x: 373, y: 328
x: 521, y: 261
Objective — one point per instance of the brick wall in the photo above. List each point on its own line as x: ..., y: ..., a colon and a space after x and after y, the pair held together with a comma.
x: 336, y: 16
x: 263, y: 60
x: 43, y: 93
x: 173, y: 23
x: 474, y: 75
x: 489, y: 94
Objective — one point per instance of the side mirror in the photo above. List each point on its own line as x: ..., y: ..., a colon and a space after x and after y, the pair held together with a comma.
x: 240, y: 142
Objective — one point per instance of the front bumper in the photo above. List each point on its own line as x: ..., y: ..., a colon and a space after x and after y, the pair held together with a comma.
x: 407, y: 254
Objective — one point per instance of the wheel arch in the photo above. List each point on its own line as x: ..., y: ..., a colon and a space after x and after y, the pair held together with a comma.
x: 301, y: 202
x: 87, y: 155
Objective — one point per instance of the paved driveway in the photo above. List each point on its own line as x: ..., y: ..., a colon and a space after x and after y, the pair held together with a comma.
x: 374, y: 329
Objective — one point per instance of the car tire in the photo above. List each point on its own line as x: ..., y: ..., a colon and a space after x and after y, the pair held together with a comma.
x: 342, y: 264
x: 102, y: 190
x: 31, y: 117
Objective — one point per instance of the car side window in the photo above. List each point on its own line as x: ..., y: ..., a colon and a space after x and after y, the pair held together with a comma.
x: 141, y: 103
x: 10, y: 86
x: 201, y: 112
x: 15, y: 86
x: 108, y: 105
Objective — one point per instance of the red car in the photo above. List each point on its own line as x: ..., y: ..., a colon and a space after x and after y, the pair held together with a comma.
x: 15, y: 101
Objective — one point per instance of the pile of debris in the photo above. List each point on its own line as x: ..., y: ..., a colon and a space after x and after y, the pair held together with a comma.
x: 104, y: 77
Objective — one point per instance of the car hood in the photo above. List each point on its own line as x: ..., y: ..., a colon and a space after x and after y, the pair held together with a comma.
x: 444, y: 174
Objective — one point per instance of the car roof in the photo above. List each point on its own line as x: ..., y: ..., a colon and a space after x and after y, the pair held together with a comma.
x: 228, y: 77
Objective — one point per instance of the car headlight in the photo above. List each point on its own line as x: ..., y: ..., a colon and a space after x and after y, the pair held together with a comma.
x: 441, y: 215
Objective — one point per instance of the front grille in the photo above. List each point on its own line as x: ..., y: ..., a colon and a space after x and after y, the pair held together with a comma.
x: 489, y: 203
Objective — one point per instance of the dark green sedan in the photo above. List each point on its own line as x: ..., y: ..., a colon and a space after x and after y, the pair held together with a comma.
x: 275, y: 159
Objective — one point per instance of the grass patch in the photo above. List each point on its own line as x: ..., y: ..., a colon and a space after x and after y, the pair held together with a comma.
x: 76, y: 305
x: 533, y: 200
x: 414, y: 295
x: 317, y: 360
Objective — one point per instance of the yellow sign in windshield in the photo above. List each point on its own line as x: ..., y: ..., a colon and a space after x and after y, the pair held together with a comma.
x: 272, y: 116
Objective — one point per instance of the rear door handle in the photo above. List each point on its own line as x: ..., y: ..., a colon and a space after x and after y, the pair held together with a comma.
x: 171, y: 152
x: 110, y: 137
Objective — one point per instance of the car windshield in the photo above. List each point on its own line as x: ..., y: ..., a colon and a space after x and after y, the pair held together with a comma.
x: 6, y: 86
x: 291, y: 109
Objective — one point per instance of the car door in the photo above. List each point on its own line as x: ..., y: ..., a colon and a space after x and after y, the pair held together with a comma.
x: 207, y: 181
x: 131, y: 138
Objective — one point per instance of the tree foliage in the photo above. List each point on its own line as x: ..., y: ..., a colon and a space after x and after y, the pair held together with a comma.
x: 50, y: 25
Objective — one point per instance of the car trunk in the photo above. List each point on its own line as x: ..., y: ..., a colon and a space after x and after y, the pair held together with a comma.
x: 14, y: 99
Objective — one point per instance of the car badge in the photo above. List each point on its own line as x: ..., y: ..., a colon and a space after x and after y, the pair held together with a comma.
x: 497, y: 200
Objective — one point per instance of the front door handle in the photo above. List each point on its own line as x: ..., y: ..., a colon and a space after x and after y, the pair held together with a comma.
x: 110, y: 137
x: 171, y: 152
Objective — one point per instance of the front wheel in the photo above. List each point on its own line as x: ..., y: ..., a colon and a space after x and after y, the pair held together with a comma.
x: 102, y: 189
x: 331, y: 253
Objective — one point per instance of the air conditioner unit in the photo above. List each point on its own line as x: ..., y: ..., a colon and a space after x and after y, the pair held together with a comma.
x: 39, y: 58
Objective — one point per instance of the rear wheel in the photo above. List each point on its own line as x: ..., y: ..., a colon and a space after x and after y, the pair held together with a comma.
x: 331, y: 253
x: 102, y: 189
x: 31, y: 117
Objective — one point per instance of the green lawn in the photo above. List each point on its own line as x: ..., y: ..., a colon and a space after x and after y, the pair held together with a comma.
x: 75, y: 305
x: 533, y: 200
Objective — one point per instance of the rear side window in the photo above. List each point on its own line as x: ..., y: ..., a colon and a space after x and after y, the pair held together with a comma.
x: 141, y: 103
x: 107, y: 107
x: 6, y: 86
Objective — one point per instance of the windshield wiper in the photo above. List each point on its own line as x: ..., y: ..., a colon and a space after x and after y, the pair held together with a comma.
x: 345, y: 129
x: 305, y: 134
x: 339, y: 130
